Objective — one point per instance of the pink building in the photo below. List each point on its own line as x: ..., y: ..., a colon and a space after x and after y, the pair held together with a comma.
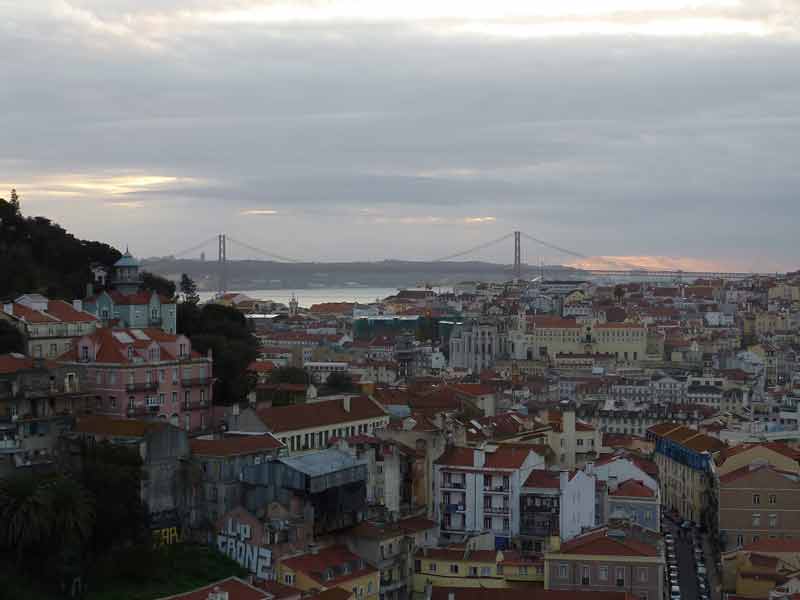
x: 146, y: 373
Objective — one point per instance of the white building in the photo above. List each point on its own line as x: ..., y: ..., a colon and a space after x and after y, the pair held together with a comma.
x: 478, y: 490
x: 577, y: 503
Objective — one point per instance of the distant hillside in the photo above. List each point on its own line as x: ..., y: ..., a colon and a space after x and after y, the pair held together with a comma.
x: 37, y: 255
x: 262, y: 274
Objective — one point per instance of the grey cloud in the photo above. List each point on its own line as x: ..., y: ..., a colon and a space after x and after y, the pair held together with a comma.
x: 607, y: 146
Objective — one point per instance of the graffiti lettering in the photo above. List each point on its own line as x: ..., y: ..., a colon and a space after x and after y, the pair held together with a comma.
x: 233, y: 540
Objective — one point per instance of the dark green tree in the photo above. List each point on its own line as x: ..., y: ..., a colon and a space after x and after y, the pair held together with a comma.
x: 26, y: 519
x: 224, y: 331
x: 11, y: 339
x: 339, y: 382
x: 619, y: 293
x: 160, y: 285
x: 189, y: 290
x: 295, y: 375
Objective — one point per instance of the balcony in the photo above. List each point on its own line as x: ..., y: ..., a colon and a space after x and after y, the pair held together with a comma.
x: 195, y: 405
x: 497, y: 489
x: 454, y: 508
x: 538, y: 530
x: 452, y: 485
x: 195, y: 381
x: 140, y: 410
x: 142, y: 386
x: 496, y: 510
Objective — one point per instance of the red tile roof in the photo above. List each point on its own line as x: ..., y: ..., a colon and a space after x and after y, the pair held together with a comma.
x: 746, y: 470
x: 778, y: 447
x: 524, y: 593
x: 278, y: 591
x: 776, y: 545
x: 504, y: 457
x: 540, y: 478
x: 235, y: 587
x: 234, y: 445
x: 598, y: 543
x: 12, y: 363
x: 632, y: 489
x: 549, y: 322
x: 473, y: 389
x: 314, y: 565
x: 319, y: 414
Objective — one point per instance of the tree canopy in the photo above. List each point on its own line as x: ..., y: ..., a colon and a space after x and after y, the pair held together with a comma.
x: 225, y: 332
x: 37, y: 255
x: 157, y: 283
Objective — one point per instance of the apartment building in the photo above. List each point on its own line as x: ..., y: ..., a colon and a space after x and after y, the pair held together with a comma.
x: 391, y: 548
x: 49, y: 327
x: 758, y: 501
x: 146, y: 373
x: 478, y: 490
x: 327, y: 568
x: 467, y: 568
x: 38, y: 400
x: 127, y: 303
x: 220, y: 463
x: 683, y: 456
x: 635, y: 502
x: 311, y: 426
x: 609, y: 560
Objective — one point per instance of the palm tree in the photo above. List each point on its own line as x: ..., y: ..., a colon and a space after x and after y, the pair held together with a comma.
x: 26, y: 519
x: 72, y: 509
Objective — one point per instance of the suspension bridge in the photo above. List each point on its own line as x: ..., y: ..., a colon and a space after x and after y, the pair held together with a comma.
x: 616, y: 268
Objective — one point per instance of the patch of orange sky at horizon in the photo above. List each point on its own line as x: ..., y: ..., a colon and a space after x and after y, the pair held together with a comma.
x: 662, y: 263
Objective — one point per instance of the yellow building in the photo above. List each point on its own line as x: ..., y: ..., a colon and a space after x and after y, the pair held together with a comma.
x: 466, y: 568
x: 328, y: 568
x: 784, y: 291
x: 756, y: 569
x: 779, y: 455
x: 548, y: 336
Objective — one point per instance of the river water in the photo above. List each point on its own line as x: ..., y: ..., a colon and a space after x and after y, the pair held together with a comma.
x: 307, y: 297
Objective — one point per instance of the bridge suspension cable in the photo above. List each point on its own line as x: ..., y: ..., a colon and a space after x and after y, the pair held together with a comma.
x: 578, y: 254
x: 262, y: 252
x: 196, y: 247
x: 474, y: 248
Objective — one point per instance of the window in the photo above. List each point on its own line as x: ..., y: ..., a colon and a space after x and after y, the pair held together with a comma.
x: 506, y: 525
x: 756, y: 499
x: 454, y: 569
x: 485, y: 571
x: 161, y: 399
x: 432, y: 567
x: 84, y: 352
x: 620, y: 576
x: 580, y: 442
x: 187, y: 396
x: 773, y: 521
x: 739, y: 540
x: 112, y: 401
x: 602, y: 573
x: 99, y: 376
x: 473, y: 571
x: 417, y: 566
x: 643, y: 575
x: 773, y: 499
x: 562, y: 571
x: 369, y: 587
x: 175, y: 375
x: 756, y: 520
x: 174, y: 397
x: 585, y: 575
x: 755, y: 538
x: 161, y: 375
x: 288, y: 579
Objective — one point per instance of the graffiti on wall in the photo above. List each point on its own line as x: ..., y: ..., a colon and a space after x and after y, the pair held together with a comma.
x: 236, y: 540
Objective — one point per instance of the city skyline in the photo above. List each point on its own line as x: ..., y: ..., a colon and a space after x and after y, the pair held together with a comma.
x: 663, y: 133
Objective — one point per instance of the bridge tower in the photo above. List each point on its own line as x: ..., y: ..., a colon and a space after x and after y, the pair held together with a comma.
x: 222, y: 263
x: 517, y: 256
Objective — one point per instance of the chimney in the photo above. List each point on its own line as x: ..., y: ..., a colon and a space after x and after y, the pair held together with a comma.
x: 479, y: 458
x: 8, y: 308
x: 77, y: 305
x: 346, y: 404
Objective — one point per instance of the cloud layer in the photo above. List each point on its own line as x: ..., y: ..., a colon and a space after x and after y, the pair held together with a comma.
x: 410, y: 130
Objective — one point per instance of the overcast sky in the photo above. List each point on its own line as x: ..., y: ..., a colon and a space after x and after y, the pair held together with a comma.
x: 664, y: 130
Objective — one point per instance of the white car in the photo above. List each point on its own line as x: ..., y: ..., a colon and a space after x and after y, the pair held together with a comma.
x: 701, y: 570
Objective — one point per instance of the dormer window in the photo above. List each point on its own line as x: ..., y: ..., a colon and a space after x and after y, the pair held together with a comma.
x: 85, y: 353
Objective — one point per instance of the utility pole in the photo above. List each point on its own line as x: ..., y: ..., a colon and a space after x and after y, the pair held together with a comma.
x: 222, y: 263
x: 517, y: 256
